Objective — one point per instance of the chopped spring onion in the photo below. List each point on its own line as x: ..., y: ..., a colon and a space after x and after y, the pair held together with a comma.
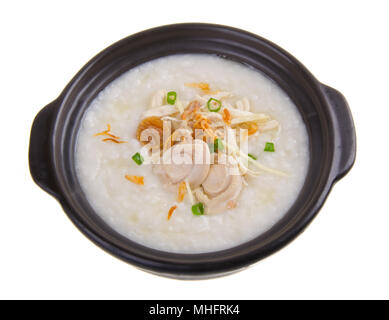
x: 198, y: 209
x: 218, y: 145
x: 171, y: 210
x: 180, y: 107
x: 269, y: 147
x: 252, y: 157
x: 138, y: 159
x: 214, y: 105
x: 171, y: 97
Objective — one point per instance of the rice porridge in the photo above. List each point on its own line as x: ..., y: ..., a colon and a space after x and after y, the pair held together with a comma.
x: 252, y: 142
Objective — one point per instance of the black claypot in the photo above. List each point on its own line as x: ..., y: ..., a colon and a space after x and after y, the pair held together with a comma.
x: 324, y: 110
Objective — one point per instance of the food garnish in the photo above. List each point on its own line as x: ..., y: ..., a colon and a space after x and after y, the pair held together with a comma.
x: 252, y: 128
x: 190, y: 110
x: 201, y: 85
x: 154, y: 123
x: 231, y: 204
x: 113, y: 140
x: 214, y: 105
x: 215, y: 187
x: 190, y: 194
x: 201, y: 122
x: 112, y: 136
x: 226, y: 116
x: 135, y: 179
x: 171, y: 97
x: 171, y: 210
x: 198, y: 209
x: 269, y: 147
x: 138, y: 159
x: 218, y: 145
x: 107, y: 133
x: 181, y: 191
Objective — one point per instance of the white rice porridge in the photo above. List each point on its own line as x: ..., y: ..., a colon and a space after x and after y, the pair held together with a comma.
x: 140, y: 212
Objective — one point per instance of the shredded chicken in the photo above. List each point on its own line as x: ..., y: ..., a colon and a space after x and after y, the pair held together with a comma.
x: 170, y: 213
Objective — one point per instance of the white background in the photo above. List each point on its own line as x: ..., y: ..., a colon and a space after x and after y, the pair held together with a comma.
x: 343, y: 253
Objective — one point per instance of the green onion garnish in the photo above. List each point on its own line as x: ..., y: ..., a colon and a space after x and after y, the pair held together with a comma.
x: 269, y: 147
x: 138, y: 159
x: 251, y: 156
x: 214, y: 105
x: 218, y: 145
x: 198, y: 209
x: 171, y: 97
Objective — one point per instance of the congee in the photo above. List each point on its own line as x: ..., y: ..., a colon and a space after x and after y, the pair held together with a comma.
x: 192, y: 153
